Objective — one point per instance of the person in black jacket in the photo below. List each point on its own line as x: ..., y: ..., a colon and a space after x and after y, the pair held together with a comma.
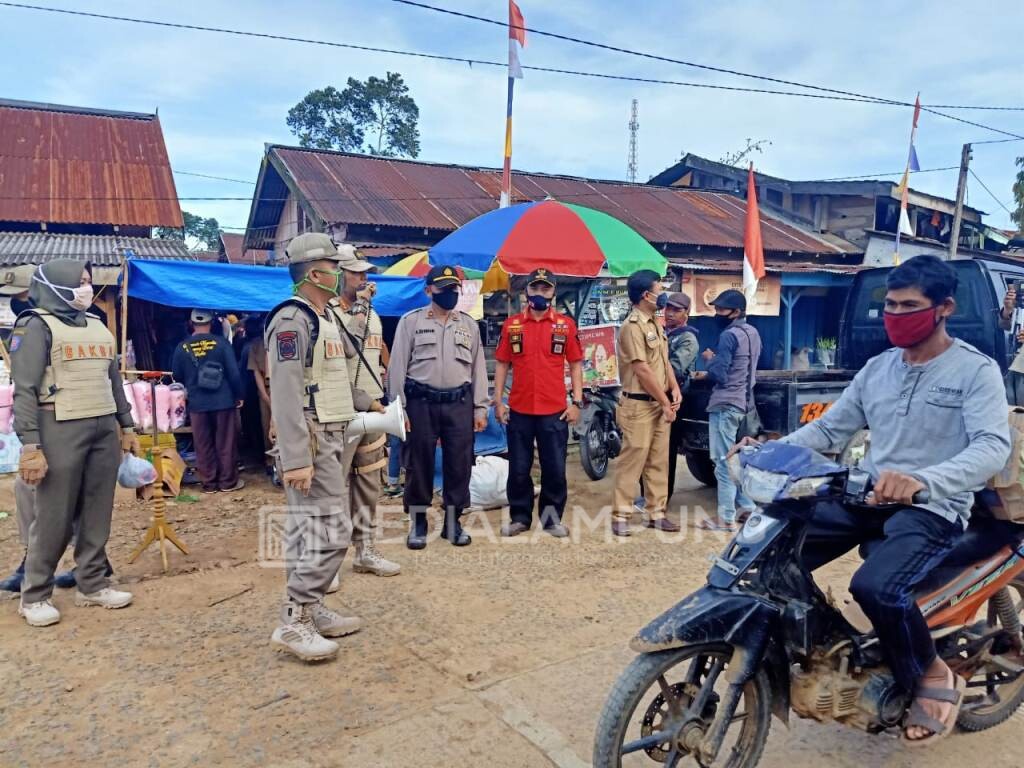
x: 206, y: 365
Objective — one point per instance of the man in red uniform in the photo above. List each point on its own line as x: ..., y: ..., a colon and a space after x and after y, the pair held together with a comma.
x: 536, y: 344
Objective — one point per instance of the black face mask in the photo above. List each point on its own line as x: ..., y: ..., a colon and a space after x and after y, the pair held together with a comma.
x: 446, y: 300
x: 724, y: 321
x: 539, y: 303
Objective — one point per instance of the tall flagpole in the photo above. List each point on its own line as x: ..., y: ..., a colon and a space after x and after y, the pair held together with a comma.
x: 516, y: 36
x: 905, y: 194
x: 506, y: 174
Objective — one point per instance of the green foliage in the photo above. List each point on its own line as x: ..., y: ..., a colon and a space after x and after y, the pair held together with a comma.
x: 201, y: 234
x: 377, y: 116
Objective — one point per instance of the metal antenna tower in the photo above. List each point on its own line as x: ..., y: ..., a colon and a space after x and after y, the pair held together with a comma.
x: 634, y: 127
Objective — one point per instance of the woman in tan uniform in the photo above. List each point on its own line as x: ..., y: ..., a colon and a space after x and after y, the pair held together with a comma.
x: 68, y: 404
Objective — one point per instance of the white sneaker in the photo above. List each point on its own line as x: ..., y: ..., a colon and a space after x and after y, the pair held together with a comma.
x: 41, y: 614
x: 335, y: 584
x: 105, y: 598
x: 369, y: 560
x: 298, y: 636
x: 331, y: 624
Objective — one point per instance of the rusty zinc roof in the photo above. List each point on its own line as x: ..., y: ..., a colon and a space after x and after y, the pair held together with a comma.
x: 233, y: 248
x: 344, y: 188
x: 79, y: 166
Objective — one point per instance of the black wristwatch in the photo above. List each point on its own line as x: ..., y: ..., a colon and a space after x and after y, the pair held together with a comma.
x: 577, y: 403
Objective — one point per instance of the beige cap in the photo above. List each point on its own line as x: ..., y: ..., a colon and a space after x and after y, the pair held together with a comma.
x: 311, y: 246
x: 348, y: 259
x: 202, y: 316
x: 15, y: 280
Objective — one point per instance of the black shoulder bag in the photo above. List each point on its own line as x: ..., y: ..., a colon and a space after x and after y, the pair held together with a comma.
x: 750, y: 424
x: 210, y: 373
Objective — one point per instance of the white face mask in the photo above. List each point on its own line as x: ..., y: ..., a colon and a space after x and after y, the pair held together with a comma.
x: 81, y: 295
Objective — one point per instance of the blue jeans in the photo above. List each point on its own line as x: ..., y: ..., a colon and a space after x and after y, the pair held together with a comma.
x: 394, y: 459
x: 723, y: 427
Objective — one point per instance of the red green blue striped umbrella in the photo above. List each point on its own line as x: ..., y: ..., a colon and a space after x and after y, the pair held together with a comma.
x: 567, y: 239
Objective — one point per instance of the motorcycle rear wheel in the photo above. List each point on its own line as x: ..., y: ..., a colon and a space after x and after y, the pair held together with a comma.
x: 594, y: 449
x: 676, y: 685
x: 993, y: 704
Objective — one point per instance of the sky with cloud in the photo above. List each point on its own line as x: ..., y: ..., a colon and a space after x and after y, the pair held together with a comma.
x: 222, y: 97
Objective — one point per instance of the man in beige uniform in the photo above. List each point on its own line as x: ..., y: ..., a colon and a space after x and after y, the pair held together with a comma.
x: 650, y: 400
x: 312, y: 402
x: 365, y: 330
x: 438, y: 369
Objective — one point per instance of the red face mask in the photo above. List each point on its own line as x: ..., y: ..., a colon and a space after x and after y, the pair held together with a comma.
x: 907, y: 329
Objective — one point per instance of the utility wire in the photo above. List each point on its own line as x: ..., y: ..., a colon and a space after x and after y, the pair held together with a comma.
x: 834, y: 94
x: 176, y: 172
x: 991, y: 194
x: 708, y: 67
x: 883, y: 175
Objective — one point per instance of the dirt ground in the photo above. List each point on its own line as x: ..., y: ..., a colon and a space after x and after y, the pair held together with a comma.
x: 498, y: 654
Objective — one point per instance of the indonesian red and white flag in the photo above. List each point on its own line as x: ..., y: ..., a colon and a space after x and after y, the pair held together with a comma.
x: 753, y: 251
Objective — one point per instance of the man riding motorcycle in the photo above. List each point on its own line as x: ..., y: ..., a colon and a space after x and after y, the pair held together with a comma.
x: 936, y: 408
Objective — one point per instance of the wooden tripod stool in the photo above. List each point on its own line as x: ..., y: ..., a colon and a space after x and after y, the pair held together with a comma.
x: 159, y: 530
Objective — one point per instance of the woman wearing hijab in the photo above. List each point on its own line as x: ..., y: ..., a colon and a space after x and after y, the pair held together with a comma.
x: 68, y: 404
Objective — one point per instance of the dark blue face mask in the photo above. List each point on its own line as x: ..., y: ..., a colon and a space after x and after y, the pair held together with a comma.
x: 662, y: 300
x: 446, y: 300
x: 539, y: 303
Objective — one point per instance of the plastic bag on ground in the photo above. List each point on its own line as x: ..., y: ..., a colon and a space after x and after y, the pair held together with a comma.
x: 487, y: 484
x: 135, y: 472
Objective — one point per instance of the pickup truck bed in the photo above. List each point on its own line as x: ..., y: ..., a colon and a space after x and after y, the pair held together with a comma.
x: 786, y: 400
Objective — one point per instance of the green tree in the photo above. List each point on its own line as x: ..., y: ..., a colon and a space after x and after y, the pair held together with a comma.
x: 1018, y: 196
x: 377, y: 116
x: 200, y: 234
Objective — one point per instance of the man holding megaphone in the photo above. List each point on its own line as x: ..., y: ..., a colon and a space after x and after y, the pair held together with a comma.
x: 363, y: 327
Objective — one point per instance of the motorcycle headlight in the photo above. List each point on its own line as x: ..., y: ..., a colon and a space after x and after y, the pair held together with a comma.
x: 762, y: 487
x: 806, y: 486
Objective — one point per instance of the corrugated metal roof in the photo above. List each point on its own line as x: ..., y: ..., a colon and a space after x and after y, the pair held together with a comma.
x: 101, y: 250
x: 345, y: 188
x: 736, y: 266
x: 233, y: 248
x: 62, y: 166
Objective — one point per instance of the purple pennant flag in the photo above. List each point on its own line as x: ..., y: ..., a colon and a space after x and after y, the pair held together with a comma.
x: 912, y: 160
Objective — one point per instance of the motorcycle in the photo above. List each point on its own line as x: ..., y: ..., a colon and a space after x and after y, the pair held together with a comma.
x: 761, y: 638
x: 598, y: 433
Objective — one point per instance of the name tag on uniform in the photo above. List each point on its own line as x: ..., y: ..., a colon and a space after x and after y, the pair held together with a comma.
x: 462, y: 337
x: 515, y: 340
x: 374, y: 342
x: 557, y: 343
x: 87, y: 351
x: 333, y: 349
x: 652, y: 336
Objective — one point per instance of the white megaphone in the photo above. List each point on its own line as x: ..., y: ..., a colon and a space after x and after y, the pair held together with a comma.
x: 392, y: 421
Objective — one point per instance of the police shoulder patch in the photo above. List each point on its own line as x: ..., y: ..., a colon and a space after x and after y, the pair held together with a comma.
x: 16, y: 340
x: 287, y: 345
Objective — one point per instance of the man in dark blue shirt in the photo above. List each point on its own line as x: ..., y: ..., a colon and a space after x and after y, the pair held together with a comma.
x: 206, y: 365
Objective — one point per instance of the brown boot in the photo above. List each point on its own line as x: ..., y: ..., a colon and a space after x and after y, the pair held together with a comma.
x: 663, y: 524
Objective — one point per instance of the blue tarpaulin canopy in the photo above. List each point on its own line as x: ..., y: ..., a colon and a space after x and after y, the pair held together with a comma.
x: 243, y: 288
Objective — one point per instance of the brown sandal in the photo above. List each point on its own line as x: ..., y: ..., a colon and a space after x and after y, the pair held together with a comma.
x: 940, y: 729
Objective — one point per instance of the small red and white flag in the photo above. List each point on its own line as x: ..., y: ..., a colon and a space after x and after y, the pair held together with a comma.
x: 753, y: 251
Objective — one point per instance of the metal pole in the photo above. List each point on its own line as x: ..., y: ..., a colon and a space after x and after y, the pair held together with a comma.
x: 124, y: 316
x: 961, y: 193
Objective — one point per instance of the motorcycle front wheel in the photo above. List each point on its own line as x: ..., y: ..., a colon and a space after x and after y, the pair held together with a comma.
x: 664, y: 703
x: 594, y: 449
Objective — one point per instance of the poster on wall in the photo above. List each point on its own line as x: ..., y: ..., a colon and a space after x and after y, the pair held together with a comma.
x: 608, y: 303
x: 471, y: 301
x: 702, y: 289
x: 600, y: 363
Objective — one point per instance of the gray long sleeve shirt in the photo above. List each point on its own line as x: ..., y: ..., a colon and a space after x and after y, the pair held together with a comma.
x: 943, y: 422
